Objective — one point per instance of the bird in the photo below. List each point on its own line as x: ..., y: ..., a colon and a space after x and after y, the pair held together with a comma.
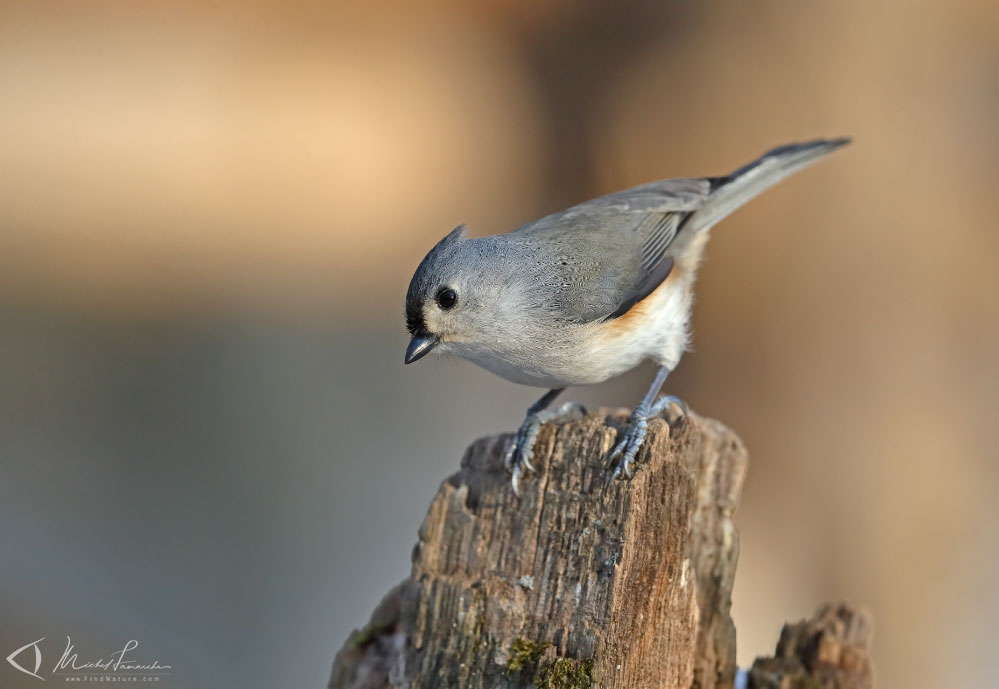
x: 585, y: 294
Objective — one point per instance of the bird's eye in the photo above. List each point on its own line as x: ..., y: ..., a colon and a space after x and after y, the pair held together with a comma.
x: 447, y: 298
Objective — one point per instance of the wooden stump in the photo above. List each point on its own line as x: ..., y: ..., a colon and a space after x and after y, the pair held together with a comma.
x: 572, y: 584
x: 829, y: 651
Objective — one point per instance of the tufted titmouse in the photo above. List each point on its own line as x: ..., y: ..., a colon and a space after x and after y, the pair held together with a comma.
x: 586, y: 294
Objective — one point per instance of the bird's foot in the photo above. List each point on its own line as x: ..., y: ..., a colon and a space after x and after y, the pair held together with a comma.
x: 521, y: 451
x: 624, y: 453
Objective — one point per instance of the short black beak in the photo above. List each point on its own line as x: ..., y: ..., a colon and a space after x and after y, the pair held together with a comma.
x: 419, y: 347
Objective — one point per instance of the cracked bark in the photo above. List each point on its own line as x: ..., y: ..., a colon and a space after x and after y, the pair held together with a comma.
x: 630, y: 583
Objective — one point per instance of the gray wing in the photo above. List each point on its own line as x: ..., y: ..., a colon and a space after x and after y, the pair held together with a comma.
x: 600, y: 258
x: 604, y: 256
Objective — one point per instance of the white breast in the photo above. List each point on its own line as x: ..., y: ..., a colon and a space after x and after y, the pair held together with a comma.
x: 655, y: 328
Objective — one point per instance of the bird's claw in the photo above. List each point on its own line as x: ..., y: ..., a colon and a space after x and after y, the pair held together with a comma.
x: 624, y: 453
x: 662, y: 404
x: 521, y: 451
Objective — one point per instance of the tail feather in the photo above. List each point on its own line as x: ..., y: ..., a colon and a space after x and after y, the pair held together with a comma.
x: 731, y: 192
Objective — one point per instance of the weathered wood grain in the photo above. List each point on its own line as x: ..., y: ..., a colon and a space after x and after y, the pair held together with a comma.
x: 573, y: 583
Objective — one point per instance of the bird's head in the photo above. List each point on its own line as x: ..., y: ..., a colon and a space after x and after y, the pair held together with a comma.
x: 447, y: 299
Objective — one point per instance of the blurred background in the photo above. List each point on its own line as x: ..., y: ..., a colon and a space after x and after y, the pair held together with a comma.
x: 209, y: 216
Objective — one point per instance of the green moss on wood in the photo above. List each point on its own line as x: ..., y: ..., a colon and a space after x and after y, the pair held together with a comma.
x: 561, y: 673
x: 566, y: 673
x: 524, y: 655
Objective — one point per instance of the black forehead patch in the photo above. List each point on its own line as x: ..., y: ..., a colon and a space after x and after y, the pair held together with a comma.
x: 427, y: 277
x: 414, y: 316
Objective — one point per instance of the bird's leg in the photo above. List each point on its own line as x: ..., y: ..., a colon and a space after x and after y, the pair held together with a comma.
x: 626, y: 450
x: 518, y: 457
